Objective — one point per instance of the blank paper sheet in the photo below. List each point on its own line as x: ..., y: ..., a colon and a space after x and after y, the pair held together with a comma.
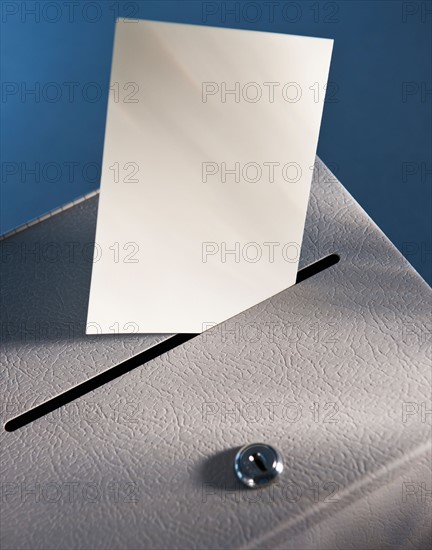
x: 210, y: 144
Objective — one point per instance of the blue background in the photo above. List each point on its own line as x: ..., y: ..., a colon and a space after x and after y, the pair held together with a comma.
x: 375, y: 135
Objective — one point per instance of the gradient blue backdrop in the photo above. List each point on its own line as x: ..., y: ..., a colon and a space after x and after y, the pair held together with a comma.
x: 376, y: 134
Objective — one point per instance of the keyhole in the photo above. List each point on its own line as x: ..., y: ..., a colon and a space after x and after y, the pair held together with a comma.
x: 259, y: 461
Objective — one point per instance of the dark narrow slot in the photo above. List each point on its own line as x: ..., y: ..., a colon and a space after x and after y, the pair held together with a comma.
x: 100, y: 379
x: 95, y: 382
x: 316, y: 267
x: 260, y: 462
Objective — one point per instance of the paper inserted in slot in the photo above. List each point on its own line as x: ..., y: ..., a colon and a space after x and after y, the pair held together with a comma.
x: 210, y: 145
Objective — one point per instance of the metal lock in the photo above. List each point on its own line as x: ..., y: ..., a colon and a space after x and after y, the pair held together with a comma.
x: 258, y: 464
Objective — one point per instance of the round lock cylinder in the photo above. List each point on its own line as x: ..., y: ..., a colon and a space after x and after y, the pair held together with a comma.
x: 258, y: 465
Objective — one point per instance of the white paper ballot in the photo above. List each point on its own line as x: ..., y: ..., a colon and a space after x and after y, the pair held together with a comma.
x: 210, y: 144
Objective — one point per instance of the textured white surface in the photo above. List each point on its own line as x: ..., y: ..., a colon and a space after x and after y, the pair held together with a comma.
x: 150, y: 454
x: 165, y: 199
